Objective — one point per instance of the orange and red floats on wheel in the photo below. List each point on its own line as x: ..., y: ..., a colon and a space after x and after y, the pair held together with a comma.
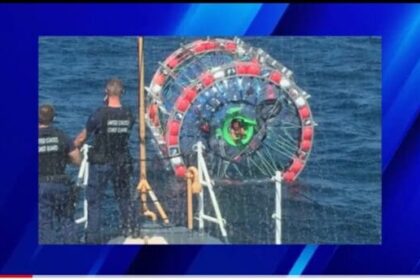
x: 173, y: 127
x: 248, y: 68
x: 230, y: 47
x: 180, y: 170
x: 159, y: 79
x: 275, y: 77
x: 182, y: 104
x: 306, y: 145
x: 206, y: 79
x: 201, y: 46
x: 153, y: 114
x: 189, y: 93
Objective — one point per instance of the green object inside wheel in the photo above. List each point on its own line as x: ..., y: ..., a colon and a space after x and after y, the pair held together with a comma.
x: 247, y: 124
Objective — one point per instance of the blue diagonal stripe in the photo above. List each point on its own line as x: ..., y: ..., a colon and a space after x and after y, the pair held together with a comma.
x: 303, y: 260
x: 217, y: 19
x: 267, y: 19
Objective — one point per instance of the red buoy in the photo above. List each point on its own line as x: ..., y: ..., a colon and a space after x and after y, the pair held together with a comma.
x: 172, y: 62
x: 254, y: 69
x: 182, y: 104
x: 241, y: 68
x: 153, y: 111
x: 159, y: 79
x: 288, y: 176
x: 230, y: 46
x: 304, y: 112
x: 199, y: 46
x: 296, y: 166
x: 275, y: 77
x: 190, y: 93
x: 210, y: 45
x: 180, y: 170
x: 207, y: 79
x: 251, y: 68
x: 172, y: 140
x: 305, y: 145
x: 174, y: 128
x: 308, y: 131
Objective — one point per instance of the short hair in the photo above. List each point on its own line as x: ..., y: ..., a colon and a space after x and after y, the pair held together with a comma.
x: 114, y: 87
x: 234, y: 121
x: 46, y: 114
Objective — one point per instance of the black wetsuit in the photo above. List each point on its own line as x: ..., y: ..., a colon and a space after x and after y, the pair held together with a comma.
x: 56, y: 192
x: 110, y: 161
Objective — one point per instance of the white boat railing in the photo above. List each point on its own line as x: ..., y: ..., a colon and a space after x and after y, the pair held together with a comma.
x: 277, y: 215
x: 82, y: 182
x: 208, y: 184
x: 218, y: 219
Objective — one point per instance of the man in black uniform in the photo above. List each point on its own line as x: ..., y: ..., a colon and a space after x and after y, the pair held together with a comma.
x: 56, y: 192
x: 110, y: 160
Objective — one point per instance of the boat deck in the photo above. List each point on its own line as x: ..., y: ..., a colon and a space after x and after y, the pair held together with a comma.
x: 159, y: 235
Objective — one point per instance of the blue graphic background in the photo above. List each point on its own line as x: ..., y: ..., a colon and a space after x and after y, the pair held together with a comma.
x: 399, y: 26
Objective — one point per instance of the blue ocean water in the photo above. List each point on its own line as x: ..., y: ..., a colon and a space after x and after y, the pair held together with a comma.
x: 337, y: 198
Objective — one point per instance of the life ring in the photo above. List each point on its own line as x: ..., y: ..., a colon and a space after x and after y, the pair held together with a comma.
x: 247, y: 124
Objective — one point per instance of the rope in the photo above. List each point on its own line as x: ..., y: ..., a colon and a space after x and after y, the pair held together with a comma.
x: 194, y: 179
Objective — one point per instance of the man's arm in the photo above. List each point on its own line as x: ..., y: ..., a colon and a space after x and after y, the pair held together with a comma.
x: 92, y: 125
x: 72, y: 151
x: 75, y: 157
x: 80, y: 139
